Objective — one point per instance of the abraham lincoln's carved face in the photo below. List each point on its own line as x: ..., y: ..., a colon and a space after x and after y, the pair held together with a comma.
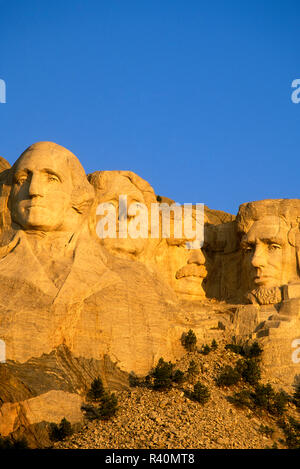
x: 267, y: 253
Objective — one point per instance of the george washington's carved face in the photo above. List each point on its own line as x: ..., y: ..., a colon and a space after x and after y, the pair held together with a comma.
x: 41, y: 191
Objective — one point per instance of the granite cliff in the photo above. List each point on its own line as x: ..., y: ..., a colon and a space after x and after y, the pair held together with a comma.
x: 75, y: 305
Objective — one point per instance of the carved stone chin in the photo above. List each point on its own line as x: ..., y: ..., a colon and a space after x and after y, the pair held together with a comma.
x: 265, y: 296
x: 269, y: 231
x: 74, y: 307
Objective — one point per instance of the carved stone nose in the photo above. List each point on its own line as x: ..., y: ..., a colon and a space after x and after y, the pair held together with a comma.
x: 259, y: 258
x: 196, y: 257
x: 35, y: 187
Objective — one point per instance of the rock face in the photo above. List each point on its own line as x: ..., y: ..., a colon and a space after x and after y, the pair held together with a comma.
x: 4, y: 164
x: 91, y: 284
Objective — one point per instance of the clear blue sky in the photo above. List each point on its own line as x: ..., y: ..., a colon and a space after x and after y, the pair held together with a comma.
x: 194, y: 96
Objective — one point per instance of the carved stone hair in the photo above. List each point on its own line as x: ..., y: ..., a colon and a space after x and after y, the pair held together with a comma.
x: 287, y: 210
x: 101, y: 180
x: 82, y: 195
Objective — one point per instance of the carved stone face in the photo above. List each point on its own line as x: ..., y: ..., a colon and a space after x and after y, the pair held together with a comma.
x: 41, y: 191
x: 127, y: 199
x: 268, y: 257
x: 184, y: 269
x: 189, y: 277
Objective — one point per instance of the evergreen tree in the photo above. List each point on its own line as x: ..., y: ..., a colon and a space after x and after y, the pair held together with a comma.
x: 200, y: 393
x: 189, y: 341
x: 214, y: 345
x: 163, y: 375
x: 109, y: 406
x: 96, y: 391
x: 61, y: 431
x: 296, y: 396
x: 192, y: 370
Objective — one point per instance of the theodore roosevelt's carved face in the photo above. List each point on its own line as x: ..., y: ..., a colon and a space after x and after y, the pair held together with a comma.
x: 187, y: 269
x: 41, y: 191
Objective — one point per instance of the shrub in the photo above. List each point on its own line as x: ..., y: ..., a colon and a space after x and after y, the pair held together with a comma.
x: 109, y: 406
x: 279, y: 403
x: 200, y: 393
x: 91, y: 412
x: 104, y: 411
x: 246, y: 369
x: 192, y: 370
x: 162, y: 375
x: 235, y: 348
x: 61, y: 431
x: 296, y: 396
x: 265, y: 430
x: 161, y: 378
x: 252, y: 351
x: 214, y: 345
x: 249, y: 370
x: 291, y: 429
x: 205, y: 349
x: 10, y: 443
x: 178, y: 377
x: 241, y: 399
x: 228, y: 376
x: 134, y: 380
x: 107, y: 402
x: 96, y: 391
x: 265, y: 397
x: 189, y: 340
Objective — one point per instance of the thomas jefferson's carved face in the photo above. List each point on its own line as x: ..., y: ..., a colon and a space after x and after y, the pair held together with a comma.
x: 117, y: 186
x: 267, y: 253
x: 41, y: 191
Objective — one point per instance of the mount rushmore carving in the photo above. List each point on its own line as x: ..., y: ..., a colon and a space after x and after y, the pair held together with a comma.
x: 77, y: 305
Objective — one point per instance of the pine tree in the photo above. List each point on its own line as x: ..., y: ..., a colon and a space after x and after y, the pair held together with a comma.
x: 109, y: 406
x: 214, y: 345
x: 296, y: 396
x: 189, y: 341
x: 200, y: 393
x: 96, y: 391
x: 163, y: 375
x: 192, y: 370
x: 61, y: 431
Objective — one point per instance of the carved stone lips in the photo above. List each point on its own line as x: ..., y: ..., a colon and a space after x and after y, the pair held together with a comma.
x: 35, y: 205
x: 261, y: 277
x: 191, y: 270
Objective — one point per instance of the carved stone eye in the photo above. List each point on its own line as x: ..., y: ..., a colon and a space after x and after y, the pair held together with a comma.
x: 274, y: 247
x: 247, y: 248
x: 21, y: 180
x: 52, y: 178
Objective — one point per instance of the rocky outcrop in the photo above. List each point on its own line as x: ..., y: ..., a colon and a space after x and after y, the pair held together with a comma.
x: 75, y: 305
